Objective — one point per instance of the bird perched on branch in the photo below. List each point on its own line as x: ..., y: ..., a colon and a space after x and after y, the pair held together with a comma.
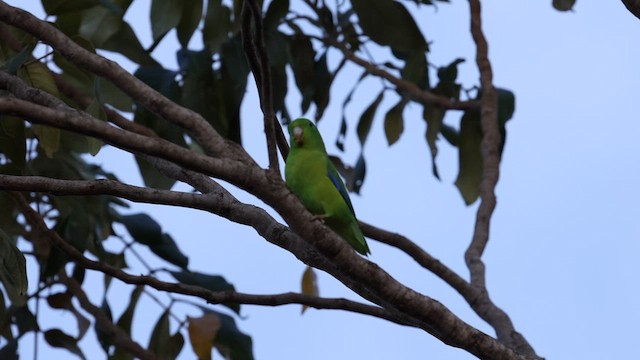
x: 314, y: 179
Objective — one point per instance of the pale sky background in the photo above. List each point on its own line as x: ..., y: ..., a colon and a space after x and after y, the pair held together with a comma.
x: 563, y: 256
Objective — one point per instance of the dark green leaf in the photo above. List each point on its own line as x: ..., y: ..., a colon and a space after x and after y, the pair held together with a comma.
x: 125, y: 322
x: 57, y: 338
x: 143, y: 229
x: 366, y: 119
x: 393, y: 122
x: 165, y: 15
x: 230, y: 338
x: 211, y: 282
x: 13, y: 139
x: 25, y: 320
x: 48, y: 138
x: 152, y: 177
x: 434, y: 116
x: 383, y: 20
x: 60, y: 300
x: 564, y: 5
x: 176, y: 343
x: 112, y: 95
x: 303, y: 64
x: 159, y: 342
x: 470, y: 157
x: 360, y: 172
x: 12, y: 65
x: 416, y: 70
x: 217, y: 25
x: 191, y: 15
x: 322, y: 81
x: 105, y: 337
x: 169, y: 251
x: 234, y: 72
x: 57, y: 7
x: 343, y: 125
x: 276, y: 11
x: 10, y: 350
x: 99, y: 24
x: 13, y: 270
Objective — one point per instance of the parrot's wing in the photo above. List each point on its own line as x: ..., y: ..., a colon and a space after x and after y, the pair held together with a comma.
x: 335, y: 178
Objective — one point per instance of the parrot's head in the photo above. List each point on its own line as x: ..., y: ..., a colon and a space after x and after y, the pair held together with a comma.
x: 305, y: 134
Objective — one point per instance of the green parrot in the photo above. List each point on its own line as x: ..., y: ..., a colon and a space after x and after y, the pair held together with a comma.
x: 313, y: 177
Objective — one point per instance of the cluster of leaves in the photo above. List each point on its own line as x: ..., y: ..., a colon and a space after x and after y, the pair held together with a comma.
x: 87, y: 222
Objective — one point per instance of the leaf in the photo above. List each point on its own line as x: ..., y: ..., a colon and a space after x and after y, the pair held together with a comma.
x: 416, y: 70
x: 191, y: 15
x: 230, y: 341
x: 57, y: 7
x: 383, y: 20
x: 152, y: 177
x: 125, y: 322
x: 96, y: 110
x: 303, y: 64
x: 168, y: 250
x: 13, y: 139
x: 366, y: 119
x: 343, y: 125
x: 159, y: 341
x: 12, y: 65
x: 563, y: 5
x: 202, y: 332
x: 633, y: 6
x: 83, y: 323
x: 393, y: 122
x: 470, y: 157
x: 176, y: 343
x: 277, y: 10
x: 143, y: 228
x: 99, y: 24
x: 360, y: 172
x: 309, y: 285
x: 60, y: 300
x: 434, y: 116
x: 48, y: 138
x: 105, y: 337
x: 25, y: 320
x: 215, y: 283
x: 6, y: 330
x: 165, y: 15
x: 10, y: 350
x: 217, y: 25
x: 59, y: 339
x: 13, y: 270
x: 322, y: 81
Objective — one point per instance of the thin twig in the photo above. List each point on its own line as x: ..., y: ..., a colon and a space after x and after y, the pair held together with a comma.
x: 489, y: 148
x: 120, y: 338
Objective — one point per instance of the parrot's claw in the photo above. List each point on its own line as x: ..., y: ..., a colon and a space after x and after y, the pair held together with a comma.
x: 320, y: 217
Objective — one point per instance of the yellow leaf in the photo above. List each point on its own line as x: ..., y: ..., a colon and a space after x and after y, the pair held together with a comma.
x: 309, y: 285
x: 202, y: 332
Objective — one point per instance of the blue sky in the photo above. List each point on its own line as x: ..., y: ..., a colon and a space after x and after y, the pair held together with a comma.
x: 562, y: 259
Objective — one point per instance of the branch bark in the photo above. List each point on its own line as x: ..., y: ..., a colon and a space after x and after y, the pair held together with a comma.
x: 489, y: 148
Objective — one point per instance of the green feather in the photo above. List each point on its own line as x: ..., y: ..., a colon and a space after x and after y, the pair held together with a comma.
x: 313, y: 177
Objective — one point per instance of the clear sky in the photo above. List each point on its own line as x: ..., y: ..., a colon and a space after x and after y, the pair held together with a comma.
x: 562, y: 259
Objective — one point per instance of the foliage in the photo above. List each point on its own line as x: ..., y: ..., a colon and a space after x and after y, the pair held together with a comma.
x: 211, y: 81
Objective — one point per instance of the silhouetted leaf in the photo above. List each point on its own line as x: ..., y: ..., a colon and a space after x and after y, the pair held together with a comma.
x: 366, y: 119
x: 25, y: 320
x: 416, y: 70
x: 60, y: 300
x: 126, y: 320
x: 302, y: 64
x: 143, y: 228
x: 563, y: 5
x: 393, y: 122
x: 343, y: 124
x: 470, y: 157
x: 217, y: 25
x: 13, y: 139
x: 230, y: 341
x: 214, y: 283
x: 165, y: 15
x: 57, y: 7
x: 10, y: 350
x: 105, y: 337
x: 383, y: 20
x: 191, y: 15
x: 433, y: 115
x: 322, y: 81
x: 57, y: 338
x: 13, y: 270
x: 159, y: 342
x: 276, y: 11
x: 168, y: 250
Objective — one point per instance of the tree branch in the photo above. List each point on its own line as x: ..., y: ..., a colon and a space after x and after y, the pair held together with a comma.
x: 197, y: 126
x: 120, y: 338
x: 37, y: 223
x: 256, y: 52
x: 422, y: 96
x: 489, y: 148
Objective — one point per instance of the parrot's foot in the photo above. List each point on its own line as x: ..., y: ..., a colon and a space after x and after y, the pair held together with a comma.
x: 320, y: 217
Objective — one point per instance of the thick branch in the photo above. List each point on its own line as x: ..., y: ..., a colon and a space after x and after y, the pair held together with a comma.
x: 37, y: 223
x: 198, y: 127
x: 120, y: 338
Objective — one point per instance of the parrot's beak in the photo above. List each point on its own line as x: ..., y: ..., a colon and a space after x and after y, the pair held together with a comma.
x: 298, y: 135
